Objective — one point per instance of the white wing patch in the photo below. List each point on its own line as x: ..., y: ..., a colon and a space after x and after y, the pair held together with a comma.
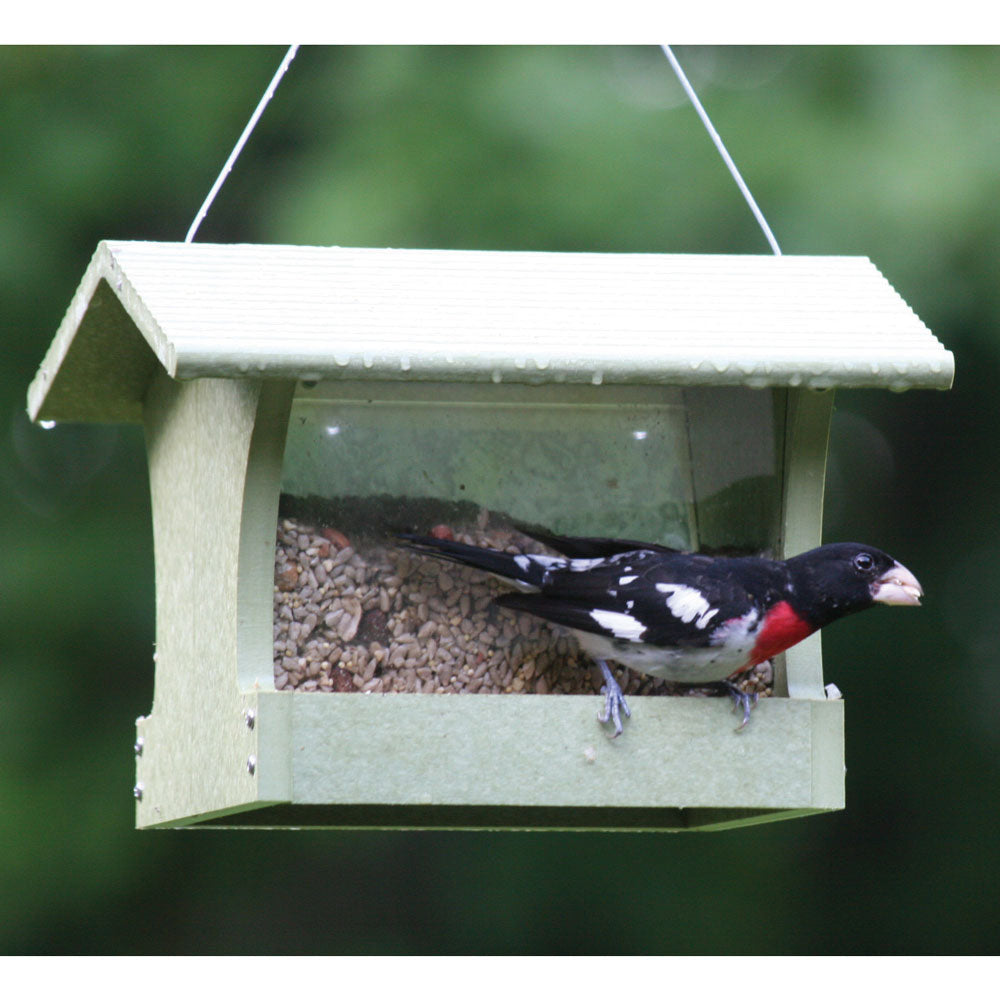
x: 547, y: 562
x: 619, y: 624
x: 687, y: 604
x: 524, y: 562
x: 583, y: 565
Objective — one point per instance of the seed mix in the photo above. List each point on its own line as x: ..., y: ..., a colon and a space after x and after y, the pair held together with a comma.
x: 357, y: 614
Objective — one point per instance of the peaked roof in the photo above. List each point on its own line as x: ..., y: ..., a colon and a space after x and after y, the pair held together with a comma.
x: 239, y: 311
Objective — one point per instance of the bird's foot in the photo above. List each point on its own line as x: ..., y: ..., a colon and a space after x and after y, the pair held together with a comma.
x: 614, y: 700
x: 742, y: 700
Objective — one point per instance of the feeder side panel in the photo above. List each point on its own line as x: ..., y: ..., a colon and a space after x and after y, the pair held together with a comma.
x: 806, y: 442
x: 197, y: 744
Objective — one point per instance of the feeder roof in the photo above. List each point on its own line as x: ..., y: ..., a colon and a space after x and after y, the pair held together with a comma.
x: 257, y: 311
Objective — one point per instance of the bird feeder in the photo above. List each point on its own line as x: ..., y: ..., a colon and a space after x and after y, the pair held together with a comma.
x: 316, y: 396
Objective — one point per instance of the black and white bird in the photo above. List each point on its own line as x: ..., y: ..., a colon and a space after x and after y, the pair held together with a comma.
x: 689, y: 618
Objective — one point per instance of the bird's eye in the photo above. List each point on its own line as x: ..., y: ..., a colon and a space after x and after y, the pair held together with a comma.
x: 863, y: 562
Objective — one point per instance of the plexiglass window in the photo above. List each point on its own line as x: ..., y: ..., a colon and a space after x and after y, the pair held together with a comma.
x: 493, y: 465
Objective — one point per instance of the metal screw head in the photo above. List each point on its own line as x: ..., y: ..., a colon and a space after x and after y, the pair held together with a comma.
x: 251, y: 763
x: 138, y: 790
x: 251, y: 716
x: 139, y: 744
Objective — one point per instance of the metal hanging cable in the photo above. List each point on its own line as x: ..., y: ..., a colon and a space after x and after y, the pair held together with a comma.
x: 723, y: 152
x: 241, y: 142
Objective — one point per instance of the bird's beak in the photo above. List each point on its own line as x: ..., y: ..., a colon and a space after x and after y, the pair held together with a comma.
x: 897, y: 585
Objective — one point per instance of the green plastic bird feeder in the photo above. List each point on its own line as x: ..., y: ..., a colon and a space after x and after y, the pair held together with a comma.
x: 301, y: 403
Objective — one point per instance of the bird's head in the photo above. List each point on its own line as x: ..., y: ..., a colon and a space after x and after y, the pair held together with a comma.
x: 845, y: 577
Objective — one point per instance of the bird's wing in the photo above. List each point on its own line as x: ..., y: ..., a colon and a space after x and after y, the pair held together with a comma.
x: 580, y: 547
x: 650, y: 597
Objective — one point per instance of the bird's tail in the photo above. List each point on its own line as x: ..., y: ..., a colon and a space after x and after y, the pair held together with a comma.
x: 526, y: 572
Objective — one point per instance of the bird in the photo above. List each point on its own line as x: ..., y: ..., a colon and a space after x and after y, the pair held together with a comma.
x: 691, y: 618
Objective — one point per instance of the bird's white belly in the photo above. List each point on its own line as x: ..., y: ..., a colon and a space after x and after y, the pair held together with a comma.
x: 684, y: 666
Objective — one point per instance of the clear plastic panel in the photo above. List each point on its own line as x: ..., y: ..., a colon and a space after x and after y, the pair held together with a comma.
x: 572, y: 459
x: 689, y: 468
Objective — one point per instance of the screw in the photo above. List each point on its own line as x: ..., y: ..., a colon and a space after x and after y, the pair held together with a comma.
x: 251, y: 763
x: 251, y: 716
x: 138, y: 790
x: 139, y: 744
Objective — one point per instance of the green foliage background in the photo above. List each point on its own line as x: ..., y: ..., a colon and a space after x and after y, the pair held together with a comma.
x: 892, y: 153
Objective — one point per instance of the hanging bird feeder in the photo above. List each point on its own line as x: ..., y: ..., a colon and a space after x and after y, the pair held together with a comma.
x: 302, y: 405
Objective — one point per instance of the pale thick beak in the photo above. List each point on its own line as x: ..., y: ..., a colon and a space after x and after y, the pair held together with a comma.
x: 897, y: 585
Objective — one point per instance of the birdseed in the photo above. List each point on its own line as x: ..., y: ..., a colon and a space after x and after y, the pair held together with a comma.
x: 359, y: 614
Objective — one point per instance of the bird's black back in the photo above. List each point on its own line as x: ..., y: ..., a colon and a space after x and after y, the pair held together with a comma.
x: 628, y: 585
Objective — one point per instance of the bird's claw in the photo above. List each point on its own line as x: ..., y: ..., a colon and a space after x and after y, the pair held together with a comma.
x: 742, y: 699
x: 614, y: 700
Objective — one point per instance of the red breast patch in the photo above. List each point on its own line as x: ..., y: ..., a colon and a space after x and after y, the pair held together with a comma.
x: 782, y: 628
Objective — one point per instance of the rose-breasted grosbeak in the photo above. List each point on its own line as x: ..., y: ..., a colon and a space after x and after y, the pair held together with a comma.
x: 692, y: 619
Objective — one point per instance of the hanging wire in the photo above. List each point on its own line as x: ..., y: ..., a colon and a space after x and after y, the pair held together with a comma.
x: 241, y: 142
x: 727, y: 159
x: 685, y: 83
